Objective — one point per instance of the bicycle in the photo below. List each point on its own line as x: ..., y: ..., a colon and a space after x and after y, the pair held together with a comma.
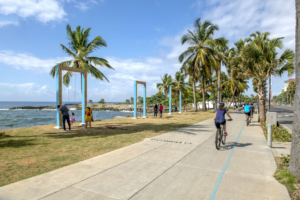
x: 220, y: 137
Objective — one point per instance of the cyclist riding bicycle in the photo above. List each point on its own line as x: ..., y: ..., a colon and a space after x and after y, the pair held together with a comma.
x: 220, y: 117
x: 247, y: 111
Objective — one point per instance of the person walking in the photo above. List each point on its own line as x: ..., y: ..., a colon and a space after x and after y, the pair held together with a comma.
x: 88, y: 117
x: 155, y: 108
x: 161, y: 108
x: 65, y: 116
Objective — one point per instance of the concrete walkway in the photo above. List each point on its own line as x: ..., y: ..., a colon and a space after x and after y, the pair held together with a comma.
x: 182, y: 164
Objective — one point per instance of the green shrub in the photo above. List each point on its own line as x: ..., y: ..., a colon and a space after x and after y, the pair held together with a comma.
x: 279, y: 134
x: 285, y: 160
x: 284, y: 177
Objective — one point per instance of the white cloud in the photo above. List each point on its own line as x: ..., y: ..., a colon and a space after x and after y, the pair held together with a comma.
x: 42, y: 10
x: 28, y: 62
x: 238, y: 19
x: 25, y: 91
x: 82, y: 6
x: 5, y: 23
x: 85, y: 5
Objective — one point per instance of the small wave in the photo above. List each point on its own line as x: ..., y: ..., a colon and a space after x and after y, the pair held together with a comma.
x: 126, y: 111
x: 4, y: 109
x: 49, y: 109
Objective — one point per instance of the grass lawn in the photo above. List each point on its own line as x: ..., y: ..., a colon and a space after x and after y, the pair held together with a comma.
x: 26, y: 152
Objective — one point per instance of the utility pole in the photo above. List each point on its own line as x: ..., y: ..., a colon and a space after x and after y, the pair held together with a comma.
x: 270, y: 91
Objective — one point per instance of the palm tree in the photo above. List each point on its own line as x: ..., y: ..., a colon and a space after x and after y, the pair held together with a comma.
x: 179, y: 82
x: 262, y: 60
x: 189, y: 69
x: 291, y: 89
x: 235, y: 87
x: 201, y: 52
x: 164, y: 86
x: 80, y: 48
x: 223, y: 49
x: 235, y: 65
x: 131, y: 99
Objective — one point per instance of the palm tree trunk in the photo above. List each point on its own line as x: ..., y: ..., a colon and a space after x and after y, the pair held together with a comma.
x: 258, y: 117
x: 294, y: 167
x: 195, y: 99
x: 213, y: 89
x: 233, y: 95
x: 262, y: 98
x: 219, y: 84
x: 203, y: 96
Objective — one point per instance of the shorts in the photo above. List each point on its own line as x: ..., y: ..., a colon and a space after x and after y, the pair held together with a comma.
x: 220, y: 121
x: 247, y: 113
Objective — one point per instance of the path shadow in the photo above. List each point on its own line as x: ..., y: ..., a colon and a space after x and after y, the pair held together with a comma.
x: 230, y: 145
x: 17, y: 143
x: 101, y: 131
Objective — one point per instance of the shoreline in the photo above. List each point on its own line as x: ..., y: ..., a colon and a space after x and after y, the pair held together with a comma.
x: 95, y: 107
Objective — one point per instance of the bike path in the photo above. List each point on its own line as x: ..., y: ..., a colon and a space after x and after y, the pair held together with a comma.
x: 183, y: 164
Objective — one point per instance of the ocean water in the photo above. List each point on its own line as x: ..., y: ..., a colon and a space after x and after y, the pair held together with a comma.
x: 27, y: 118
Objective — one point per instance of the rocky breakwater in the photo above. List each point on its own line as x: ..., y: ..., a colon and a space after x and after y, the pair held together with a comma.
x: 33, y: 108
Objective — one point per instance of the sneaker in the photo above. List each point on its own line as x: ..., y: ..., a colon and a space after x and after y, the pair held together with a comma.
x: 225, y: 134
x: 63, y: 131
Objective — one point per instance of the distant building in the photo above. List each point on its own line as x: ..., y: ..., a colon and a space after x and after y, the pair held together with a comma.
x: 286, y: 84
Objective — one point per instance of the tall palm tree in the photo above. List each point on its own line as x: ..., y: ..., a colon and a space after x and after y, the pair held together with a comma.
x: 294, y: 167
x: 201, y: 52
x: 262, y: 60
x: 235, y: 65
x: 189, y: 69
x: 80, y: 48
x: 163, y: 87
x: 223, y: 49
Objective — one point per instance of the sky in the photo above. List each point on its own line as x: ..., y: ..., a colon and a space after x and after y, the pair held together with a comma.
x: 143, y: 40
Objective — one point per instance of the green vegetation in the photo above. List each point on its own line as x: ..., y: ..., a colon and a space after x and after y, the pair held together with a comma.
x: 102, y: 101
x: 27, y: 152
x: 287, y: 179
x: 279, y: 134
x: 284, y: 177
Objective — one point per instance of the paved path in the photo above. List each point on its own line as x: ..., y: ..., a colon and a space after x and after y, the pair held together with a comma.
x: 284, y: 114
x: 182, y: 164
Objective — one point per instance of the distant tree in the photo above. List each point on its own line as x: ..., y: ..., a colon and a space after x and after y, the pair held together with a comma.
x: 140, y: 99
x: 166, y: 82
x: 90, y: 101
x: 127, y: 101
x: 102, y: 101
x: 131, y: 99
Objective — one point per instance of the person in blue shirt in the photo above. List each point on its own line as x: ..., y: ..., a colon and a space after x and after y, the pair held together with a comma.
x: 220, y: 117
x: 247, y: 111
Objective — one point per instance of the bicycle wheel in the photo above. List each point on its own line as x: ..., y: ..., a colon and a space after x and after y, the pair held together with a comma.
x: 223, y: 137
x: 218, y: 139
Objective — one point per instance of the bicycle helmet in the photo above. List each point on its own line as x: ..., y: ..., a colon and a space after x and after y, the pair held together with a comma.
x: 221, y: 104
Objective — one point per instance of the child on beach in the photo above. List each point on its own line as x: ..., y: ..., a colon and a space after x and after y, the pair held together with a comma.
x: 72, y: 118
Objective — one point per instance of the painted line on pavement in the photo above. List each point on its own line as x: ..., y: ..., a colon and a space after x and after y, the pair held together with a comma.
x: 214, y: 192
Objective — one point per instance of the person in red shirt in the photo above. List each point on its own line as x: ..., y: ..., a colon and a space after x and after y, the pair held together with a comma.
x: 161, y: 108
